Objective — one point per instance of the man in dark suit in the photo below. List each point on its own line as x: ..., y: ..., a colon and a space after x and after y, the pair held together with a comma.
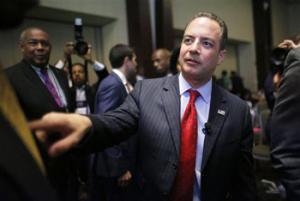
x: 42, y: 88
x: 81, y: 91
x: 27, y: 80
x: 285, y: 138
x: 113, y: 166
x: 194, y: 138
x: 22, y: 173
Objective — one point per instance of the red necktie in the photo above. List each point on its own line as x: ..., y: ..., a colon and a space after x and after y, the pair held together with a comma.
x: 184, y: 182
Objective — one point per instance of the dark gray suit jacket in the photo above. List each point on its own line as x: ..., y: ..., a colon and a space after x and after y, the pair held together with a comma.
x: 285, y: 127
x: 153, y: 111
x: 116, y: 160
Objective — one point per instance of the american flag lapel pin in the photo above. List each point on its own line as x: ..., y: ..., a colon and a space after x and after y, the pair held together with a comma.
x: 221, y: 112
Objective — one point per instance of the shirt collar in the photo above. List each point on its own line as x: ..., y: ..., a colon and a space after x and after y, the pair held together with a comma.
x: 120, y: 75
x: 204, y: 90
x: 38, y: 68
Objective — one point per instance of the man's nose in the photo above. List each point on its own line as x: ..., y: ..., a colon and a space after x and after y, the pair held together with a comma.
x: 195, y: 47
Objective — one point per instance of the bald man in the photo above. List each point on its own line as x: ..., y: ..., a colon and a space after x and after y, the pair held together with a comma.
x: 42, y: 88
x: 161, y: 61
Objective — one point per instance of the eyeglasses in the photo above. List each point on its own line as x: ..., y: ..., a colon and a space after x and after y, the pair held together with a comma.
x: 34, y: 43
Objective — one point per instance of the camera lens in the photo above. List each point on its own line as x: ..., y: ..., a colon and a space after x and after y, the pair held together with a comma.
x: 81, y: 47
x: 278, y: 55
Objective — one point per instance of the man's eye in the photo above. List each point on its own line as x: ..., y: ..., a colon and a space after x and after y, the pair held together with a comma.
x: 207, y: 44
x: 187, y: 41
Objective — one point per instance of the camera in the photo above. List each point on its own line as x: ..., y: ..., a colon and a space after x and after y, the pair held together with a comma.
x: 81, y: 46
x: 278, y: 56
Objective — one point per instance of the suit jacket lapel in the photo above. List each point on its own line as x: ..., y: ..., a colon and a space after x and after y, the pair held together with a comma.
x: 63, y: 82
x: 171, y: 103
x: 31, y: 75
x: 217, y: 115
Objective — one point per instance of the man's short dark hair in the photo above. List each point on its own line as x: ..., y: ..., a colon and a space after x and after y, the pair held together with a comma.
x: 118, y: 53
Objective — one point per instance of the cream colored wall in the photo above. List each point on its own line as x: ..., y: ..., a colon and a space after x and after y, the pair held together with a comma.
x: 238, y: 17
x: 280, y: 25
x: 293, y: 19
x: 101, y: 38
x: 112, y: 33
x: 230, y: 63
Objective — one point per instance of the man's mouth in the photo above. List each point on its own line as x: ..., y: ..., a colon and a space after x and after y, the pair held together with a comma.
x: 192, y: 61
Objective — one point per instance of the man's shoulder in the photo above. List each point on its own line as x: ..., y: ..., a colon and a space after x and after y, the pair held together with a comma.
x: 15, y: 70
x: 159, y: 81
x: 228, y: 96
x: 15, y: 67
x: 112, y: 80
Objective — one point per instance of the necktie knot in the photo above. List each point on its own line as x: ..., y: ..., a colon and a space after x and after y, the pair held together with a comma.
x: 193, y: 95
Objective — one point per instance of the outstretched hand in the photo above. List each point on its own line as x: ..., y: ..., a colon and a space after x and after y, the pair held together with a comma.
x: 68, y: 129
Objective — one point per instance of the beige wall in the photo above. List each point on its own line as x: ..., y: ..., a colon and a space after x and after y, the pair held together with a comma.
x: 59, y: 33
x: 101, y: 38
x: 230, y: 63
x: 238, y: 17
x: 113, y: 33
x: 280, y: 25
x: 293, y: 19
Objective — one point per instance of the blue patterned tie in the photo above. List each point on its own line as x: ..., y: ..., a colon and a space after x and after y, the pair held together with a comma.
x: 51, y: 87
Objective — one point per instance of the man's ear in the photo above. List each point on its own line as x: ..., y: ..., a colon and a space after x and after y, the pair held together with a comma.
x: 221, y: 56
x: 125, y: 61
x: 21, y: 46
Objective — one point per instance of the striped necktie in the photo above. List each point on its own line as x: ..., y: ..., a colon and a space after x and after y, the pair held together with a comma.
x: 51, y: 87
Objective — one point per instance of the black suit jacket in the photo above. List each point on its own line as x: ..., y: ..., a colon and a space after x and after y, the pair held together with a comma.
x: 33, y: 95
x: 90, y: 96
x: 20, y: 178
x: 35, y: 101
x: 285, y: 127
x: 116, y: 160
x: 153, y: 111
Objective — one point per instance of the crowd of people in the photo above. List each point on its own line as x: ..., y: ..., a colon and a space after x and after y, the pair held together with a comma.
x: 182, y: 136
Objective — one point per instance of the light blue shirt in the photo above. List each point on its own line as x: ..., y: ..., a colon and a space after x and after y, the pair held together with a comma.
x: 55, y: 82
x: 202, y: 106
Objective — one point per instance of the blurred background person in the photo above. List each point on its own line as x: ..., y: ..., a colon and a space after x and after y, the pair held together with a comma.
x: 161, y: 62
x: 81, y: 90
x: 237, y: 84
x: 174, y: 64
x: 114, y: 166
x: 42, y: 88
x: 225, y: 81
x: 22, y: 171
x: 285, y: 138
x: 66, y: 63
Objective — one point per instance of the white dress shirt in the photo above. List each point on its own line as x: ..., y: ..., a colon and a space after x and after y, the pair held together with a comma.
x: 126, y: 84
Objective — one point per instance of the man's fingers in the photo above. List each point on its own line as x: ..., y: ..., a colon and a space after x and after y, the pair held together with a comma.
x: 62, y: 146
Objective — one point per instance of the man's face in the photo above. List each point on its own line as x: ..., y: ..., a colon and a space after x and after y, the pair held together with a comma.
x: 78, y: 75
x: 36, y: 47
x: 200, y: 50
x: 161, y: 61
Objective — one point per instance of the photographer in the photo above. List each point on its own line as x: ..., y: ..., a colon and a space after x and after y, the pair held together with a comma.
x: 66, y: 63
x: 285, y: 127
